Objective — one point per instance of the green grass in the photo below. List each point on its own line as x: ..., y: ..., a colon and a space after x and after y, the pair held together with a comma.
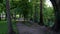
x: 4, y: 27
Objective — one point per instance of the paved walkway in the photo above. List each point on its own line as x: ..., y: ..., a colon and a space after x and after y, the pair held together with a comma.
x: 34, y: 29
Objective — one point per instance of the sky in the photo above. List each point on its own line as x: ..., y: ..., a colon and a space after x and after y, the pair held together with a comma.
x: 48, y: 3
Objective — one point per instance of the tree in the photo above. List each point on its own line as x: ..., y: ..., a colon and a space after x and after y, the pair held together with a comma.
x: 48, y: 13
x: 41, y: 15
x: 25, y: 6
x: 10, y: 28
x: 56, y: 5
x: 36, y: 12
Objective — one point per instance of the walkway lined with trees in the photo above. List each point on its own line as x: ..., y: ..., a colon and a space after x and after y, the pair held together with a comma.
x: 35, y: 16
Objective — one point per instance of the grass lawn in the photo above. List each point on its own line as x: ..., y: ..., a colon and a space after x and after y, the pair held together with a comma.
x: 4, y: 27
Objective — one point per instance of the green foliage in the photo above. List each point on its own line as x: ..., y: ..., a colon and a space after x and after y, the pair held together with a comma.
x: 4, y: 27
x: 48, y: 15
x: 28, y: 9
x: 1, y: 1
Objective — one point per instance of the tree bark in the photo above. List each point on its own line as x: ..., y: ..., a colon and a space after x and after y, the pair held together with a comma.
x: 10, y: 28
x: 56, y: 7
x: 41, y: 15
x: 0, y: 18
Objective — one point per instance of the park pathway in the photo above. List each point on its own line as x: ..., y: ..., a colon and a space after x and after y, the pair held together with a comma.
x: 34, y: 29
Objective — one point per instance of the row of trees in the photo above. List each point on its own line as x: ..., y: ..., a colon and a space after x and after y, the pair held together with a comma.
x: 23, y: 7
x: 28, y: 10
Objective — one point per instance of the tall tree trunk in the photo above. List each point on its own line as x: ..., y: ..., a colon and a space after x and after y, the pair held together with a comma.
x: 0, y: 17
x: 10, y: 28
x: 36, y: 14
x: 35, y: 20
x: 57, y: 14
x: 41, y: 15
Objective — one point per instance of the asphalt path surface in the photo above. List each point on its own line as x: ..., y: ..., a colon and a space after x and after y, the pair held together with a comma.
x: 33, y: 29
